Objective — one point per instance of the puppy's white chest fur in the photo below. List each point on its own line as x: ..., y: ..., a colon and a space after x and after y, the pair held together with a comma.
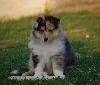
x: 46, y: 49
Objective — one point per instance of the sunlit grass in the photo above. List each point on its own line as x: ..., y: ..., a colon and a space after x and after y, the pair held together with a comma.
x: 82, y: 30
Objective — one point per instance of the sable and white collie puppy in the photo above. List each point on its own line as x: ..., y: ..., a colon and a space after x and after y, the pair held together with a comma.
x: 50, y: 53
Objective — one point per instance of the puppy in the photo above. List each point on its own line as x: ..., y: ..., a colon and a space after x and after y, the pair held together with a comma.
x: 50, y: 53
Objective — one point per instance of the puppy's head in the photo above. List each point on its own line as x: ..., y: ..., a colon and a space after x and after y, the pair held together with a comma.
x: 45, y: 28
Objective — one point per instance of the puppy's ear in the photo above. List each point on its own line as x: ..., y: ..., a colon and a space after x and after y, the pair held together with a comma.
x: 34, y: 25
x: 56, y: 21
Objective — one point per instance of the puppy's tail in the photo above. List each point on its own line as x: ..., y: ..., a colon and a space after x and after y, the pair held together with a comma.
x: 20, y: 71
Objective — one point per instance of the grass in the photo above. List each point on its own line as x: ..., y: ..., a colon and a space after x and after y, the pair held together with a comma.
x: 83, y: 31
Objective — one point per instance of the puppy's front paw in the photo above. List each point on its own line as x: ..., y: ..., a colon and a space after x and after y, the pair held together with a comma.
x: 45, y: 75
x: 38, y: 76
x: 59, y: 74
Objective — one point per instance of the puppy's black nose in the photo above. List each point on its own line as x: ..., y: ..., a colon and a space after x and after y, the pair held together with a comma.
x: 45, y: 39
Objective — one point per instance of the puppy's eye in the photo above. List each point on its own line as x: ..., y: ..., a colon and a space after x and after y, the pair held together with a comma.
x: 51, y: 31
x: 41, y: 32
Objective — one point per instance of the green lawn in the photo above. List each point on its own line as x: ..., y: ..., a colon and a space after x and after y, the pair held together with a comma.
x: 83, y: 31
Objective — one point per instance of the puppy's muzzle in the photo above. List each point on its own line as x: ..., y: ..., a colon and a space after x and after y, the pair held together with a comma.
x: 45, y: 39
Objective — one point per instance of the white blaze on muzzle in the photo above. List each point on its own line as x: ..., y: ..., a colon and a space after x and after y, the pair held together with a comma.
x: 46, y: 34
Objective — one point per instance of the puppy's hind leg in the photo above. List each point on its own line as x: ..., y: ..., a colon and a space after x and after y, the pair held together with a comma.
x: 58, y: 66
x: 31, y: 66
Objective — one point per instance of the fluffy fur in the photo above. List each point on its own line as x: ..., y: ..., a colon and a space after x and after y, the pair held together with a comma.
x: 50, y: 50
